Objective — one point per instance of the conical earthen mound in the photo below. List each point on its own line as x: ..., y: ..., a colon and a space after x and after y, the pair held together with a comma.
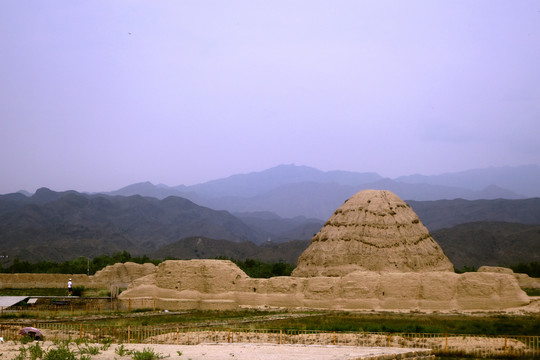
x: 372, y: 231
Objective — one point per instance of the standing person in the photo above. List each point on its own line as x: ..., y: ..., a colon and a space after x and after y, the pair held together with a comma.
x: 70, y: 287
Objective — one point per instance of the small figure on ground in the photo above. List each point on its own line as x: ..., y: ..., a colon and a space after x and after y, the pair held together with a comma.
x: 70, y: 288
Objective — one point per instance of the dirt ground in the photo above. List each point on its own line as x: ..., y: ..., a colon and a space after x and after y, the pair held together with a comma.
x: 239, y: 351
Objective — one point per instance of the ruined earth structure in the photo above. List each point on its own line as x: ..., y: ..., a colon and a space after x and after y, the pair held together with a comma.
x: 119, y: 275
x: 524, y: 280
x: 372, y: 254
x: 220, y: 284
x: 372, y: 231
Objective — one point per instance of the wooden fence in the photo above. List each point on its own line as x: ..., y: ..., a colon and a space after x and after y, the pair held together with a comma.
x: 471, y: 345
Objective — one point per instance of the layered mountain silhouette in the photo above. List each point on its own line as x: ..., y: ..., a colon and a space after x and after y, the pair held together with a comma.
x: 521, y: 180
x: 290, y: 190
x: 64, y: 225
x: 258, y: 214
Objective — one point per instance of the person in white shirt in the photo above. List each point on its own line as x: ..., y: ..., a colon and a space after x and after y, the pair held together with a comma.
x: 70, y: 287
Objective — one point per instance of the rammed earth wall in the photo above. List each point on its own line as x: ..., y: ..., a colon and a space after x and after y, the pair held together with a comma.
x: 220, y: 284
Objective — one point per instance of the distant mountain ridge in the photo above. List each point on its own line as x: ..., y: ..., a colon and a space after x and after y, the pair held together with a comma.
x: 61, y: 226
x: 64, y: 225
x: 448, y: 213
x: 476, y: 244
x: 72, y: 221
x: 523, y: 180
x: 256, y: 183
x: 290, y: 203
x: 290, y: 190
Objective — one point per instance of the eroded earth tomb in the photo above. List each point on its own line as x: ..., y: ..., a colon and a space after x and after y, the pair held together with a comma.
x: 372, y: 253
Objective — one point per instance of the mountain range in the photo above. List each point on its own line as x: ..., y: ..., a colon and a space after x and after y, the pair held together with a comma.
x: 290, y: 190
x: 63, y: 225
x: 492, y: 243
x: 270, y: 215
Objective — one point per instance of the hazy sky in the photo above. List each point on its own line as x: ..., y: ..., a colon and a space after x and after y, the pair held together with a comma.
x: 96, y: 95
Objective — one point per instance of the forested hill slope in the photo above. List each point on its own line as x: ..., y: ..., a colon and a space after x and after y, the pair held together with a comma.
x: 73, y: 224
x: 447, y: 213
x: 490, y: 243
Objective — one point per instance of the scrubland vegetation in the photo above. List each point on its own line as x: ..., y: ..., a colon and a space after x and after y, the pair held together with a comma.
x: 82, y: 265
x: 253, y: 268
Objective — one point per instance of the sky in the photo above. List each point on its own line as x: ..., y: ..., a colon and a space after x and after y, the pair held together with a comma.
x: 97, y: 95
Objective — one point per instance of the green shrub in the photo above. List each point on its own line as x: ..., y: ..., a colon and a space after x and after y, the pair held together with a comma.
x: 146, y: 354
x: 36, y: 352
x: 106, y: 343
x: 91, y: 350
x: 26, y: 339
x: 78, y: 290
x: 121, y: 351
x: 532, y: 292
x: 22, y: 354
x: 61, y: 353
x: 62, y: 343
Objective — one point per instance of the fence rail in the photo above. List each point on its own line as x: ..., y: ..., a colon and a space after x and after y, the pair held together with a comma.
x: 476, y: 345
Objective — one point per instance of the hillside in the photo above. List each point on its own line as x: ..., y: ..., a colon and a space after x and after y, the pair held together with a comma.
x: 447, y: 213
x: 490, y: 243
x: 72, y: 224
x: 471, y: 244
x: 58, y: 226
x: 62, y: 226
x: 204, y: 248
x: 281, y: 229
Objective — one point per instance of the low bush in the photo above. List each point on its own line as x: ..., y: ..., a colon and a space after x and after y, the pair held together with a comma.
x: 91, y: 350
x: 36, y: 352
x: 146, y: 354
x: 121, y: 351
x: 60, y: 353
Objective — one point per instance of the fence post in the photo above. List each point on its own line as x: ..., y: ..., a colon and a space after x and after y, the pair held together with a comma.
x: 505, y: 338
x: 129, y: 334
x: 446, y: 343
x: 280, y: 332
x: 177, y: 336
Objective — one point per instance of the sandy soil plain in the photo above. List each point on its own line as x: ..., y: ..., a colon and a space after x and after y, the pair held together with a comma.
x: 240, y: 351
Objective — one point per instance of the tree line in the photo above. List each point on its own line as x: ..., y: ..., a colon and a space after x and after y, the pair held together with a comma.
x: 84, y: 265
x: 252, y: 267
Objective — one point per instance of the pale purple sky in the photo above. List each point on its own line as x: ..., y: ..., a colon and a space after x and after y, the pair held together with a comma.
x: 96, y: 95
